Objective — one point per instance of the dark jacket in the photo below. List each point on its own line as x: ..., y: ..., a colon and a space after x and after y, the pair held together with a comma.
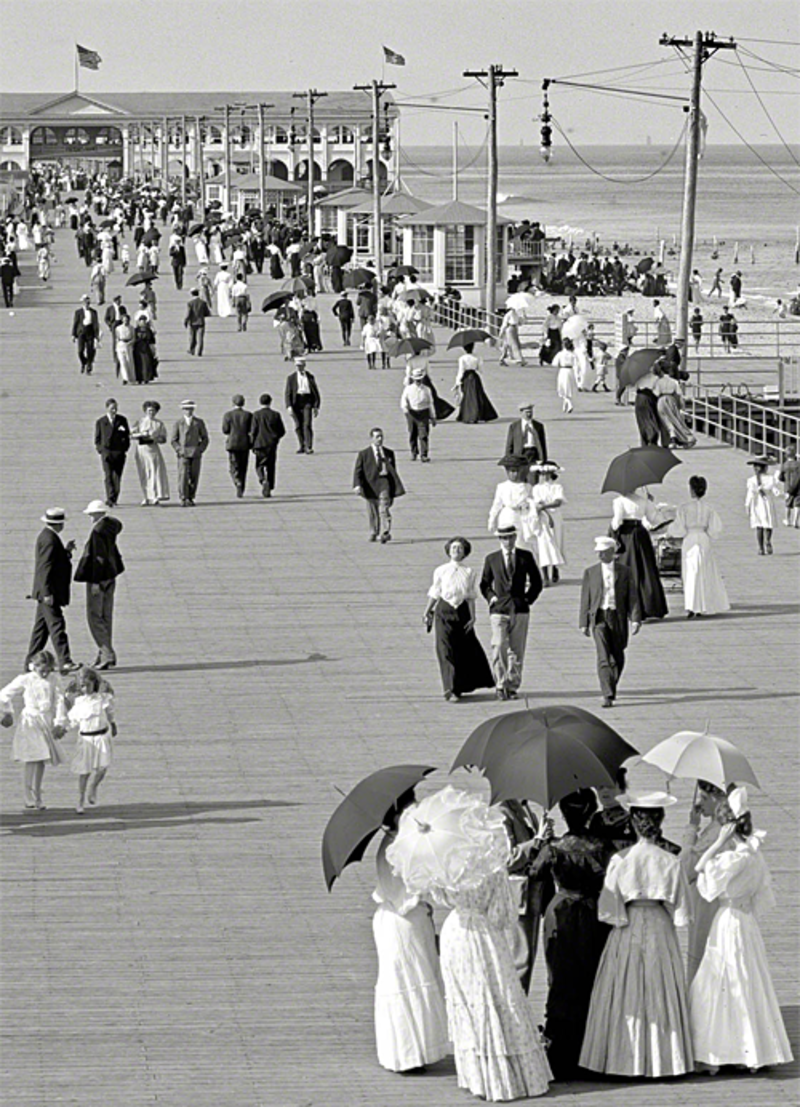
x: 79, y: 328
x: 626, y: 598
x: 111, y: 317
x: 236, y: 425
x: 506, y: 594
x: 266, y: 428
x: 197, y: 311
x: 52, y: 568
x: 344, y: 310
x: 112, y: 438
x: 189, y: 439
x: 366, y: 475
x: 101, y: 560
x: 515, y: 440
x: 290, y: 394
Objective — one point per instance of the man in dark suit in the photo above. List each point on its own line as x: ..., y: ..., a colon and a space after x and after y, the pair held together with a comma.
x: 236, y: 425
x: 302, y: 399
x: 51, y: 580
x: 345, y: 312
x: 86, y: 332
x: 526, y: 436
x: 510, y: 583
x: 177, y: 259
x: 98, y: 568
x: 112, y: 440
x: 112, y: 319
x: 375, y: 477
x: 266, y: 431
x: 189, y: 440
x: 197, y: 311
x: 609, y: 601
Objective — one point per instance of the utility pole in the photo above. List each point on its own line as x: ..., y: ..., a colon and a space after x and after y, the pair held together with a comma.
x: 183, y: 162
x: 377, y: 88
x: 705, y: 45
x: 262, y: 166
x: 165, y: 152
x: 310, y: 97
x: 494, y: 78
x: 200, y: 165
x: 455, y: 159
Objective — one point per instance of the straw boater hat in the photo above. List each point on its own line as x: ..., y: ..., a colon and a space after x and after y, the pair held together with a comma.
x: 762, y: 459
x: 189, y: 403
x: 529, y: 405
x: 54, y: 515
x: 604, y: 543
x: 95, y: 507
x: 648, y: 801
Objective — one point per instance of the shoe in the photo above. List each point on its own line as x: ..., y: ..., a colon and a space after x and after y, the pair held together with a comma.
x: 302, y: 450
x: 108, y: 664
x: 79, y: 809
x: 500, y: 694
x: 385, y: 538
x: 40, y: 805
x: 239, y: 492
x: 414, y: 457
x: 608, y: 701
x: 184, y: 503
x: 769, y: 547
x: 91, y: 799
x: 689, y: 614
x: 373, y: 538
x: 448, y: 695
x: 426, y: 460
x: 69, y: 667
x: 554, y: 573
x: 309, y: 451
x: 545, y: 582
x: 266, y: 491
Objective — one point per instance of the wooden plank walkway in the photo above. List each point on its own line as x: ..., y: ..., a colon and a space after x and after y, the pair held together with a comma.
x: 177, y: 945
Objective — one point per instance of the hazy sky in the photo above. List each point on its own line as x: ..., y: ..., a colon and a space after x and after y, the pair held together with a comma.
x: 333, y: 44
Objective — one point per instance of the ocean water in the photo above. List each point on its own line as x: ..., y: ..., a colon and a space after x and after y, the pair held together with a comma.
x: 738, y: 199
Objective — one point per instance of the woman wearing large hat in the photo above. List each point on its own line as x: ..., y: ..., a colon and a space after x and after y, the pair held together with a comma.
x: 474, y: 405
x: 451, y: 612
x: 513, y: 499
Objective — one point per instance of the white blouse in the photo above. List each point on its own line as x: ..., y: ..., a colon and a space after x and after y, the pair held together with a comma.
x: 648, y: 872
x: 634, y: 506
x: 453, y: 583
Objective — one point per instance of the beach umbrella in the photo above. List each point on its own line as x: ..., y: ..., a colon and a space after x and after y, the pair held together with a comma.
x: 361, y: 814
x: 692, y: 755
x: 544, y: 753
x: 196, y: 228
x: 574, y: 327
x: 450, y: 841
x: 639, y: 466
x: 338, y: 256
x: 141, y: 278
x: 637, y: 365
x: 412, y: 345
x: 354, y: 278
x: 521, y: 301
x: 276, y: 300
x: 467, y: 338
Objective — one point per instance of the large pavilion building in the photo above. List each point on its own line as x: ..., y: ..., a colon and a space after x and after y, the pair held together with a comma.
x: 149, y: 135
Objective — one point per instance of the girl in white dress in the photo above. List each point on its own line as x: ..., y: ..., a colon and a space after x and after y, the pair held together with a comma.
x: 223, y: 282
x: 697, y: 524
x: 370, y: 341
x: 566, y: 384
x: 735, y: 1015
x: 93, y: 715
x: 513, y: 498
x: 758, y: 504
x: 41, y: 722
x: 410, y: 1015
x: 547, y: 496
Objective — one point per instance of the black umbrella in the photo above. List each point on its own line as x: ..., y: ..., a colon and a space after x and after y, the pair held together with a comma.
x: 276, y: 300
x: 637, y: 365
x: 361, y: 813
x: 109, y: 223
x: 645, y: 265
x: 637, y: 467
x: 338, y: 255
x: 467, y: 338
x: 354, y: 278
x: 214, y: 205
x: 196, y: 228
x: 404, y: 271
x: 412, y: 345
x: 141, y: 278
x: 151, y: 236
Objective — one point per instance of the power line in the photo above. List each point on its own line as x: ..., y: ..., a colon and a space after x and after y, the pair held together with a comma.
x: 622, y: 180
x: 770, y: 41
x: 752, y: 149
x: 778, y: 67
x: 764, y: 108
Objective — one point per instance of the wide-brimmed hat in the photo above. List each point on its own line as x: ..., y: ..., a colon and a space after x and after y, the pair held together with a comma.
x: 737, y: 801
x: 603, y: 542
x: 762, y: 459
x: 95, y: 507
x: 54, y: 515
x: 513, y: 461
x: 417, y: 374
x: 465, y: 542
x: 646, y: 800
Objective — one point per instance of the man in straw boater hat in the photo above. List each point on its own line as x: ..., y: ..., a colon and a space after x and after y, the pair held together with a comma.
x: 98, y: 568
x: 527, y: 436
x: 609, y: 601
x: 189, y: 440
x: 510, y: 584
x: 52, y: 574
x: 416, y: 403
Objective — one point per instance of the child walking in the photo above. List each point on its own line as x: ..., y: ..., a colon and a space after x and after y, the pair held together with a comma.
x: 93, y: 714
x: 602, y: 365
x: 758, y: 503
x: 41, y: 722
x: 370, y: 340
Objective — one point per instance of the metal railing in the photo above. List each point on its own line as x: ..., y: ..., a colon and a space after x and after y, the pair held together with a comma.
x: 732, y: 416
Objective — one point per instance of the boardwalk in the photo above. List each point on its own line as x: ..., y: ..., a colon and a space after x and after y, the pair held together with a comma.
x: 177, y: 945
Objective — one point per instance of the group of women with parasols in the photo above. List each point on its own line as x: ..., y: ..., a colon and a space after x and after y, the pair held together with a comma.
x: 617, y: 999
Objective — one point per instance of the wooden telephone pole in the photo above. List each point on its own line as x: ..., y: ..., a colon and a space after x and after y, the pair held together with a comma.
x: 704, y: 45
x: 377, y: 88
x: 310, y: 97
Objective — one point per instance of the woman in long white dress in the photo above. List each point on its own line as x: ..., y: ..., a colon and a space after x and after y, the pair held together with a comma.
x: 566, y: 383
x: 200, y: 249
x: 638, y: 1023
x: 123, y: 343
x: 513, y: 497
x: 547, y: 496
x: 697, y: 524
x: 410, y: 1015
x: 695, y: 843
x: 735, y: 1015
x: 150, y: 435
x: 223, y: 283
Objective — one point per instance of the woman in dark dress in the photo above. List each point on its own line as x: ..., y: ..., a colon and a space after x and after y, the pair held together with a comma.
x: 574, y: 939
x: 451, y: 611
x: 635, y: 549
x: 310, y: 321
x: 474, y: 405
x: 442, y: 409
x: 145, y: 362
x: 646, y: 409
x: 551, y: 335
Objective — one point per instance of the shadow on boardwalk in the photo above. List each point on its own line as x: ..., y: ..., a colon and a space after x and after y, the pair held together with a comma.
x: 206, y: 666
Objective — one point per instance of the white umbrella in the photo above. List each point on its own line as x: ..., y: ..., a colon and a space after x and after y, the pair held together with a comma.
x: 574, y: 327
x: 449, y: 841
x: 521, y: 301
x: 695, y: 756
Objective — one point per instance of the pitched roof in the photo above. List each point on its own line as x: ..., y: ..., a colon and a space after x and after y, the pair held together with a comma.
x: 346, y: 198
x: 252, y: 182
x: 399, y: 203
x: 445, y: 215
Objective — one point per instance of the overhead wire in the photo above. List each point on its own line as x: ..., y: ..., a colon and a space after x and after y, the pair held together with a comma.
x: 764, y: 108
x: 622, y: 180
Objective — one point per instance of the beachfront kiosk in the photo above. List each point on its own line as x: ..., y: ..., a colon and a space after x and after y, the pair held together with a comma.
x: 447, y: 244
x: 361, y: 219
x: 330, y: 214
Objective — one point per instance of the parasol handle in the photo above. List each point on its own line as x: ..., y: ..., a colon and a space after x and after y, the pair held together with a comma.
x: 424, y: 828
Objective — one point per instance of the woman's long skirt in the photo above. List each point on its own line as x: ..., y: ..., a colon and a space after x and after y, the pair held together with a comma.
x: 646, y: 412
x: 674, y: 431
x: 550, y: 347
x: 636, y: 553
x: 152, y: 473
x: 462, y: 662
x: 475, y: 407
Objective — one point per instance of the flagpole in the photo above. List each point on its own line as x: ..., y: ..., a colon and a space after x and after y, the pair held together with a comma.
x: 77, y: 68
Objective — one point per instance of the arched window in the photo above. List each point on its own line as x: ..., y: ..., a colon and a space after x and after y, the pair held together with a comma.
x: 280, y: 135
x: 342, y: 135
x: 214, y: 135
x: 108, y: 136
x: 10, y: 136
x: 43, y: 136
x: 76, y: 136
x: 241, y: 134
x: 9, y: 166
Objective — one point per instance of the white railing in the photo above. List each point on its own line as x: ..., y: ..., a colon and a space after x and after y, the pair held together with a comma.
x: 734, y: 417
